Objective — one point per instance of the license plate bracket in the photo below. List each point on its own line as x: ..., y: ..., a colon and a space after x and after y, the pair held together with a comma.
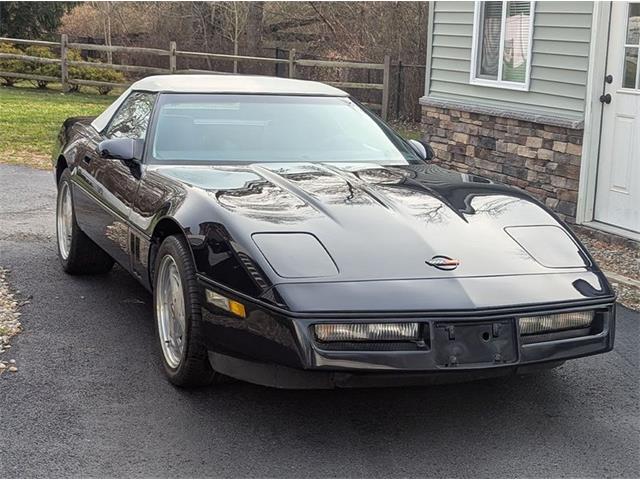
x: 474, y: 344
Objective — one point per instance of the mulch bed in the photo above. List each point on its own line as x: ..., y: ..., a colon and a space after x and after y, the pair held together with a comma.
x: 616, y: 255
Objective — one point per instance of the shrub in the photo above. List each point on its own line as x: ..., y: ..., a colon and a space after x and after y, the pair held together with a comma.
x: 108, y: 75
x: 99, y: 75
x: 47, y: 69
x: 13, y: 66
x: 53, y: 69
x: 74, y: 72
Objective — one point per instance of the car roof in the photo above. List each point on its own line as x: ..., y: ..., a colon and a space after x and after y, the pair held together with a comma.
x: 241, y: 84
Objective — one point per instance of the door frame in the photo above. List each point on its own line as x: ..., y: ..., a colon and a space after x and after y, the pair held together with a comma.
x: 598, y: 56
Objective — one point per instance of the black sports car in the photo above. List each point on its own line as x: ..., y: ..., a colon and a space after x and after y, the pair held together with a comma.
x: 291, y: 238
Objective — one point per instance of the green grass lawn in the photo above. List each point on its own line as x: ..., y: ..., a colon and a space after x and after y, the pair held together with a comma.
x: 407, y: 130
x: 30, y: 120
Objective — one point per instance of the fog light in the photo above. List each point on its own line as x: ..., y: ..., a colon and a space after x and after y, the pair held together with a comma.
x: 225, y: 303
x: 558, y: 321
x: 366, y: 332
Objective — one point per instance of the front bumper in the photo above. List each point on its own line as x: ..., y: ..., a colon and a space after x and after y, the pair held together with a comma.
x: 280, y: 376
x: 276, y: 348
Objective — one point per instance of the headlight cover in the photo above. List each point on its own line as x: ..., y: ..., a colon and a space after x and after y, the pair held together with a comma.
x: 550, y: 245
x: 538, y: 324
x: 366, y: 332
x: 296, y: 255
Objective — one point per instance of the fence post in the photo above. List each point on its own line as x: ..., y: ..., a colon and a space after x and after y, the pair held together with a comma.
x: 386, y: 84
x: 292, y: 63
x: 64, y: 71
x: 172, y: 57
x: 398, y: 89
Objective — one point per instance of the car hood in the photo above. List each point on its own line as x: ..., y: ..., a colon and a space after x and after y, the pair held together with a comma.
x: 363, y: 222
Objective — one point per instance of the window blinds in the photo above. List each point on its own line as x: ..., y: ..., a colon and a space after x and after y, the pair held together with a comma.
x: 504, y: 41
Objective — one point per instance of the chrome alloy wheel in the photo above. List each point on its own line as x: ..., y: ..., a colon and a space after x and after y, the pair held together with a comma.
x: 171, y: 312
x: 64, y: 220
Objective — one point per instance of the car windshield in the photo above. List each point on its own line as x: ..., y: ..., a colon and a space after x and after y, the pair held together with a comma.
x: 218, y: 128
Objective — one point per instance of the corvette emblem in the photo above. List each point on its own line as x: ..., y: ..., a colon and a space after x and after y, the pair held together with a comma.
x: 443, y: 263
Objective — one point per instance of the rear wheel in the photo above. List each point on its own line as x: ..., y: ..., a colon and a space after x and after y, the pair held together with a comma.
x: 77, y: 252
x: 178, y: 316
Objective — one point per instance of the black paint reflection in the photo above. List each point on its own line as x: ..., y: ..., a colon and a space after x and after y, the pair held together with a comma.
x: 223, y: 260
x: 588, y: 290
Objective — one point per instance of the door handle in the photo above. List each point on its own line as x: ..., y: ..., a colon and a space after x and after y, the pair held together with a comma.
x: 605, y: 98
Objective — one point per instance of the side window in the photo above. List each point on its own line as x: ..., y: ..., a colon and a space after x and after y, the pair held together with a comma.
x: 132, y: 118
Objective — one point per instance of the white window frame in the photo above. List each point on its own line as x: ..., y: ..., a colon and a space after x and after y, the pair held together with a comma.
x: 636, y: 86
x: 475, y: 46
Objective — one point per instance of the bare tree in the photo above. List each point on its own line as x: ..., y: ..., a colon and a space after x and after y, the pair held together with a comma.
x: 106, y: 11
x: 353, y: 30
x: 234, y: 24
x: 254, y: 28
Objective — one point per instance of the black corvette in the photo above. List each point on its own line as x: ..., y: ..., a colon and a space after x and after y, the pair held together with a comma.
x: 290, y: 238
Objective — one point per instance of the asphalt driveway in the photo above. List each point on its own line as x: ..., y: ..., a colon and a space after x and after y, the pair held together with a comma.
x: 89, y: 398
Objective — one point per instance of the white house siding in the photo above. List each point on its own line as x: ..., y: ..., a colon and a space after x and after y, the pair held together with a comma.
x: 559, y: 63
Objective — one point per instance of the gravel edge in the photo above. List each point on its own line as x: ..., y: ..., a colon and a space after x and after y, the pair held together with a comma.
x: 618, y: 257
x: 9, y: 322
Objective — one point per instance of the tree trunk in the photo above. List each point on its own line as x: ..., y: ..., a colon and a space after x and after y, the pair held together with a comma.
x: 108, y: 39
x: 235, y: 52
x: 254, y: 28
x: 236, y: 35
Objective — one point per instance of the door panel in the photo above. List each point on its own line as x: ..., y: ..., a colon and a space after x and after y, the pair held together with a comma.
x: 622, y: 151
x: 106, y: 187
x: 618, y: 186
x: 86, y: 189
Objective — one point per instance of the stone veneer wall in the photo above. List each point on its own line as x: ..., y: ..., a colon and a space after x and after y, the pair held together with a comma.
x: 541, y: 159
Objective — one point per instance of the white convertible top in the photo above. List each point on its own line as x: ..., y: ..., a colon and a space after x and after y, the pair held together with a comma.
x: 221, y: 83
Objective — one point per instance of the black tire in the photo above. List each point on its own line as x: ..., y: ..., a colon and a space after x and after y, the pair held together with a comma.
x: 84, y: 256
x: 194, y: 369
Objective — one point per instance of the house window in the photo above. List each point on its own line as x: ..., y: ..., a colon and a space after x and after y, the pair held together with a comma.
x: 502, y: 34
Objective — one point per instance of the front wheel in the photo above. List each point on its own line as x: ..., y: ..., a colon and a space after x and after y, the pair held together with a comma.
x: 77, y: 252
x: 178, y: 316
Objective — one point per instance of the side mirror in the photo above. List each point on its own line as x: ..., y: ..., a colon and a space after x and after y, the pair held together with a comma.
x: 126, y: 149
x: 423, y: 149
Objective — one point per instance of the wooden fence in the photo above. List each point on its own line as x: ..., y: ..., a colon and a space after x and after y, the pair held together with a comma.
x: 172, y: 54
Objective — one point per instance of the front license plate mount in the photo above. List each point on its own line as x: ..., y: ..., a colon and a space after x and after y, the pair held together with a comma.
x: 472, y: 344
